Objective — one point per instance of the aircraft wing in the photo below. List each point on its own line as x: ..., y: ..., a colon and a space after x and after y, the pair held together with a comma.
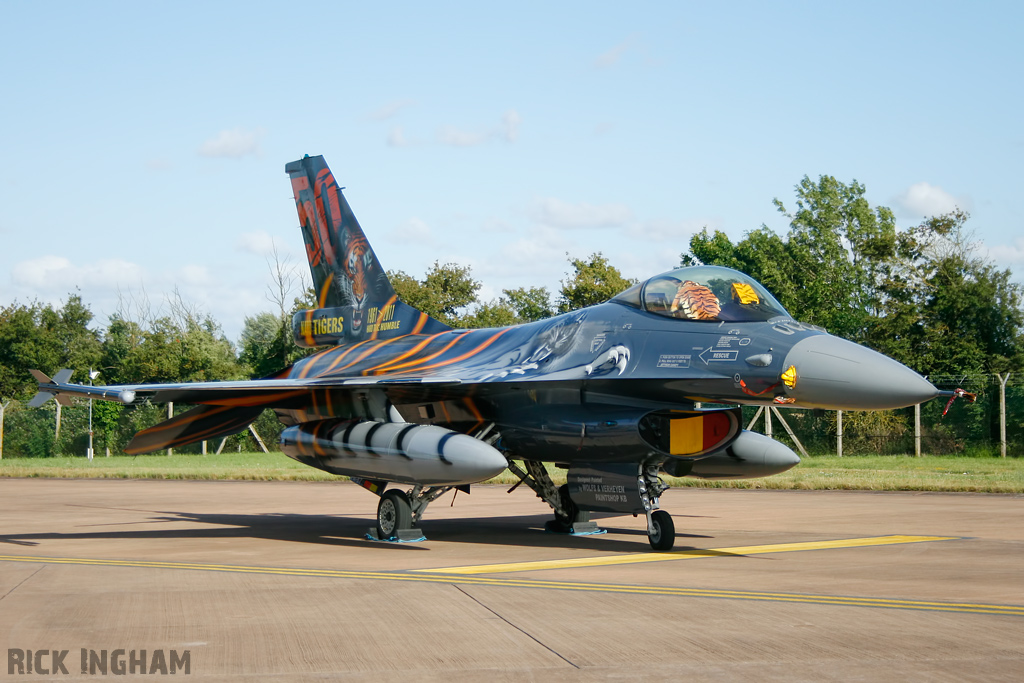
x: 224, y: 408
x: 248, y: 393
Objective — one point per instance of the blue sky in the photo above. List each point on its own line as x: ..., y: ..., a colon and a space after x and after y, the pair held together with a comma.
x: 143, y: 145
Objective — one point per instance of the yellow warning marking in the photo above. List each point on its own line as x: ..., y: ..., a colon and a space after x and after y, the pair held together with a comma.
x: 686, y: 435
x: 684, y: 555
x: 975, y: 608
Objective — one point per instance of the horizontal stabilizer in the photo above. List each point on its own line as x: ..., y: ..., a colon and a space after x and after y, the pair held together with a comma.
x: 42, y: 396
x: 198, y: 424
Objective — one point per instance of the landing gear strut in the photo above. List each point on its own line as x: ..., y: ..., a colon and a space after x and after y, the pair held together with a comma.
x: 606, y: 487
x: 573, y: 515
x: 661, y: 531
x: 569, y: 519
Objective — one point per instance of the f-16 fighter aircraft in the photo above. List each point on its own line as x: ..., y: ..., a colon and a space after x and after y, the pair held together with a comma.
x: 614, y: 393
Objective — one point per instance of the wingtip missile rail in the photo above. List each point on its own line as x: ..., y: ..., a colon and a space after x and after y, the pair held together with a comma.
x: 59, y: 389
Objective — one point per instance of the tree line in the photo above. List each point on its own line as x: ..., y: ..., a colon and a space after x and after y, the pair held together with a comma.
x: 924, y: 295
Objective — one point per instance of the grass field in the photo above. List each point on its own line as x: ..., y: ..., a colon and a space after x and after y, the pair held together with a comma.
x: 871, y: 473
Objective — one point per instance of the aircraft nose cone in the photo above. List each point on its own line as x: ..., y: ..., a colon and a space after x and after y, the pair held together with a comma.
x: 836, y: 374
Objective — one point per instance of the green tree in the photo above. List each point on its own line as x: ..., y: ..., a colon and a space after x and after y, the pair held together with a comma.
x: 494, y: 313
x: 921, y: 295
x: 593, y: 281
x: 182, y: 346
x: 971, y: 312
x: 829, y: 268
x: 514, y: 306
x: 106, y: 418
x: 266, y: 345
x: 444, y: 291
x: 529, y: 303
x: 38, y: 336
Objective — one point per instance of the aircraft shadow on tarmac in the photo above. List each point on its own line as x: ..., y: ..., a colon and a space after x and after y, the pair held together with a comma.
x: 525, y: 530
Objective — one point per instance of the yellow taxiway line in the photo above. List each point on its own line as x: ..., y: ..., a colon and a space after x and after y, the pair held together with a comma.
x: 974, y: 608
x: 636, y: 558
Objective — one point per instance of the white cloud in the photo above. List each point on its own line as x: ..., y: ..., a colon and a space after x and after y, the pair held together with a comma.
x: 532, y: 252
x: 496, y: 225
x: 678, y: 232
x: 259, y: 242
x: 1007, y: 254
x: 57, y: 274
x: 390, y: 109
x: 612, y: 56
x: 645, y: 264
x: 510, y: 125
x: 194, y: 276
x: 413, y: 231
x: 450, y: 135
x: 396, y: 138
x: 222, y: 290
x: 924, y: 199
x: 537, y: 254
x: 559, y: 214
x: 233, y: 144
x: 507, y: 130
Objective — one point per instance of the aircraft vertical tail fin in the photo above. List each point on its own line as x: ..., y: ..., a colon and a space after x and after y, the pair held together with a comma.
x: 355, y: 299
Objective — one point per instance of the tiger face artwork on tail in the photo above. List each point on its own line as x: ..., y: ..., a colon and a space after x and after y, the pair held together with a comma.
x: 347, y: 277
x: 356, y: 264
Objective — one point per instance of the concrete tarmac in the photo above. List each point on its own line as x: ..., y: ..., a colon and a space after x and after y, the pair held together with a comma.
x: 275, y: 581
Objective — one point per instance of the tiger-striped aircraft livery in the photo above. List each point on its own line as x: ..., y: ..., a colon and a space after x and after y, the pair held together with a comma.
x: 616, y: 393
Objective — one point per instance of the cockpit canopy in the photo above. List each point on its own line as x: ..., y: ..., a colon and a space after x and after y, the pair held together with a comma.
x: 704, y: 293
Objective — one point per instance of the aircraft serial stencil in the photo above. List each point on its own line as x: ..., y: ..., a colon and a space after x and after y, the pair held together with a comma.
x: 609, y: 392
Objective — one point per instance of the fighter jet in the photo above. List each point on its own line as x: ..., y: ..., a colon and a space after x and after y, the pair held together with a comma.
x: 649, y: 382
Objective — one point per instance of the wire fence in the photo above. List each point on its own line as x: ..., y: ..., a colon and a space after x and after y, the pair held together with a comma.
x: 967, y: 429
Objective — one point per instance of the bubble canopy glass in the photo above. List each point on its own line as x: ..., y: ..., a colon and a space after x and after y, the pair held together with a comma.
x: 704, y: 293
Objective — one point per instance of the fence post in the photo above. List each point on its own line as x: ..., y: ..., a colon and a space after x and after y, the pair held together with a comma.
x: 1002, y: 413
x: 170, y: 414
x: 789, y: 430
x: 258, y: 439
x: 760, y: 410
x: 917, y: 430
x: 839, y: 433
x: 3, y: 409
x: 768, y: 423
x: 56, y: 428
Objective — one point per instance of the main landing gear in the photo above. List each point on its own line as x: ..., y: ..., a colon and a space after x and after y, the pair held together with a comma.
x: 637, y: 490
x: 394, y: 514
x: 399, y: 512
x: 569, y: 519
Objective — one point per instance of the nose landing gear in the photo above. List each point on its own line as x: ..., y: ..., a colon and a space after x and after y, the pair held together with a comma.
x: 661, y: 531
